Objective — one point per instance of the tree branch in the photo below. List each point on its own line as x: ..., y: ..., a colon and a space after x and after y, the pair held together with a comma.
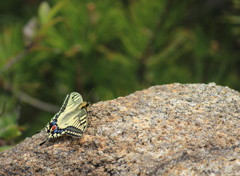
x: 13, y: 60
x: 37, y: 103
x: 31, y: 100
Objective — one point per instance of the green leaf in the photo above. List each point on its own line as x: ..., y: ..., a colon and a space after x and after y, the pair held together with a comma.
x: 10, y: 132
x: 43, y: 12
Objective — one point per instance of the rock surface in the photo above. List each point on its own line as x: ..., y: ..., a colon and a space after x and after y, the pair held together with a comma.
x: 175, y: 129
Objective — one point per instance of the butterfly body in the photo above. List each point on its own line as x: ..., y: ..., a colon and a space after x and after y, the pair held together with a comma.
x: 71, y: 119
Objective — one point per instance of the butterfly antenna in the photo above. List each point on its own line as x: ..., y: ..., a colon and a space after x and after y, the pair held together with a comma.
x: 89, y: 95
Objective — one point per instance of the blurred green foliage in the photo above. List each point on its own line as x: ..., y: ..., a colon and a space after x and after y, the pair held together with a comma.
x: 51, y: 48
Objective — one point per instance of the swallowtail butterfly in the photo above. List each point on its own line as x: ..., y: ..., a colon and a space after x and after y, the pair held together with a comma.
x: 70, y: 120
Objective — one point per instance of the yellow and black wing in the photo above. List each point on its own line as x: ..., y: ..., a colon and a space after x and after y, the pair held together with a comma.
x: 71, y: 119
x: 78, y: 124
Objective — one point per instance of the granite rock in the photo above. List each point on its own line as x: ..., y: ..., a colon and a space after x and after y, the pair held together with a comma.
x: 175, y: 129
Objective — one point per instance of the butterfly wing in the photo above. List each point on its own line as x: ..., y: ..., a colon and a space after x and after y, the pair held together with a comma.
x: 69, y: 109
x: 78, y: 124
x: 73, y: 115
x: 74, y: 100
x: 71, y: 119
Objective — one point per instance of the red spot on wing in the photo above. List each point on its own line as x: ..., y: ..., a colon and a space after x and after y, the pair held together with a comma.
x: 54, y: 127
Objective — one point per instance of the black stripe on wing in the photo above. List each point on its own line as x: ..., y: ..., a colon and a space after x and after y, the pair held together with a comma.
x: 62, y: 109
x: 76, y: 98
x: 78, y: 126
x: 73, y: 131
x: 64, y: 104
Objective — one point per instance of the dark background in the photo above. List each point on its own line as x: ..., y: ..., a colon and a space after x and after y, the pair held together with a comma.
x: 106, y: 49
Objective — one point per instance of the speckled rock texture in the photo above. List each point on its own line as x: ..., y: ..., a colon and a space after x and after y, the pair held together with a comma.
x: 175, y: 129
